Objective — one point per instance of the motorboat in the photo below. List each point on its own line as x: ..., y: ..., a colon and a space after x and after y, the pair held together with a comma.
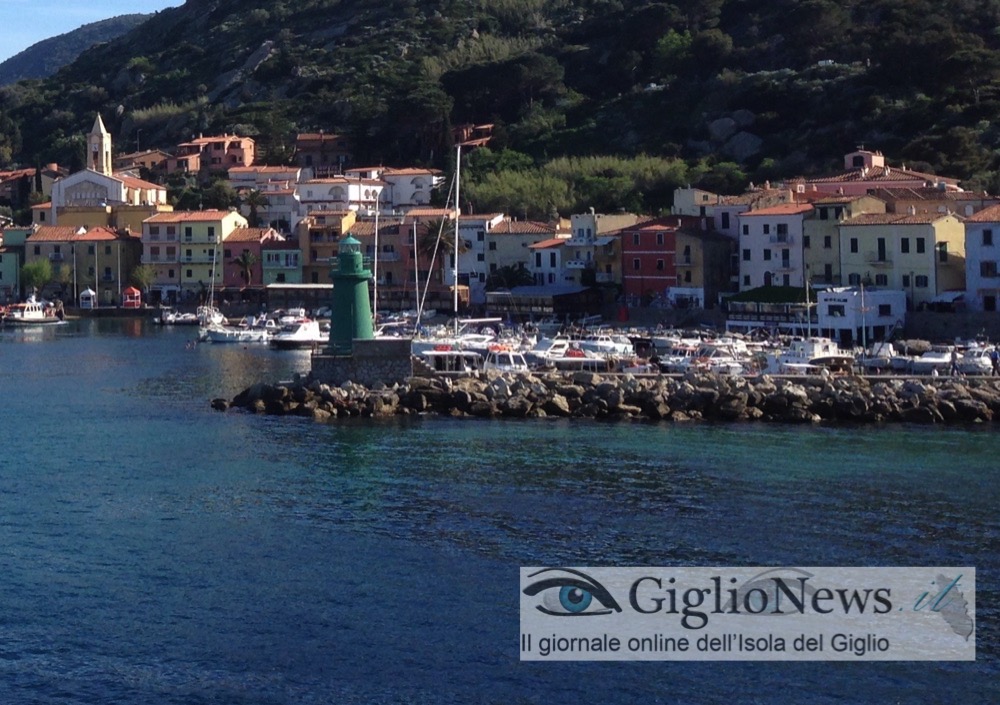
x: 976, y: 361
x: 449, y: 360
x: 607, y: 344
x: 936, y: 360
x: 501, y: 358
x: 248, y: 330
x: 810, y: 356
x: 172, y: 317
x: 303, y: 333
x: 32, y: 313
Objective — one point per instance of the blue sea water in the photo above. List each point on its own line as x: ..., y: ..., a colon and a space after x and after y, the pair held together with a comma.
x: 155, y: 551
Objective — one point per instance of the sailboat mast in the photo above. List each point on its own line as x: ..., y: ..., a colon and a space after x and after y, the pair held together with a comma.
x: 458, y: 211
x: 375, y: 264
x: 416, y: 275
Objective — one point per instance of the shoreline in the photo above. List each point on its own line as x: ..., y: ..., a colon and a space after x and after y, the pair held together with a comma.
x: 675, y: 398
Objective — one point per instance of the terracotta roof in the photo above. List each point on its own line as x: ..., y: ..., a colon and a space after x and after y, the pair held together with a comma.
x: 133, y: 182
x: 925, y: 194
x: 187, y: 216
x: 343, y: 180
x: 838, y: 200
x: 200, y: 141
x: 990, y: 214
x: 54, y: 233
x: 751, y: 197
x: 409, y: 171
x: 546, y: 244
x: 98, y: 233
x: 431, y: 213
x: 782, y: 209
x: 880, y: 173
x: 251, y: 234
x: 523, y: 227
x: 480, y: 216
x: 262, y: 169
x: 895, y: 219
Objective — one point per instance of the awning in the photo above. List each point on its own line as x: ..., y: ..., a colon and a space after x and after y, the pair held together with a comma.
x: 604, y: 241
x: 948, y: 297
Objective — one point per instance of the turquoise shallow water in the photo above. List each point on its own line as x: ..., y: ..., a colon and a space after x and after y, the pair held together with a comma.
x: 155, y: 551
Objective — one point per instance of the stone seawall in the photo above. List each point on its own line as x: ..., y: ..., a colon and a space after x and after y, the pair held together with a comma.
x: 588, y: 395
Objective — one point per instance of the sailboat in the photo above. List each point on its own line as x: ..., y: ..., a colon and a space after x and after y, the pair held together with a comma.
x: 208, y: 314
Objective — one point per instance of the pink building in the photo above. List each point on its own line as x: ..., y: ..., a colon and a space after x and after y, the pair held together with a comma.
x: 246, y: 240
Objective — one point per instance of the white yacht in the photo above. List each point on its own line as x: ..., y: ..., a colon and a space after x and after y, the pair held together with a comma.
x: 302, y: 333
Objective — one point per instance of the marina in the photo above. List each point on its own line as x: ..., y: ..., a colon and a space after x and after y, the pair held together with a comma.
x: 257, y: 560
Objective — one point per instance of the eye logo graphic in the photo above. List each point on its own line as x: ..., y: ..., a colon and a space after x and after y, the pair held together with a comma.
x: 570, y: 593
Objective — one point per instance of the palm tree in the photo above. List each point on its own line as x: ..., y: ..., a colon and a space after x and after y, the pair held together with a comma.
x: 428, y: 241
x: 509, y: 276
x: 246, y: 262
x: 254, y: 199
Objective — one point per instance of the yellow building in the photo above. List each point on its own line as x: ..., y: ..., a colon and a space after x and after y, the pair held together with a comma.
x: 922, y: 254
x: 183, y: 247
x: 319, y: 236
x: 821, y: 233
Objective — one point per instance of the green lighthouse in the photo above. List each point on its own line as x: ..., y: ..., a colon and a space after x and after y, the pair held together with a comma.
x: 351, y: 313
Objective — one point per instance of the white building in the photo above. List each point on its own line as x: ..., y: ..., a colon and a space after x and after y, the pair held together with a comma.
x: 473, y: 267
x: 853, y: 315
x: 982, y: 254
x: 547, y: 262
x: 770, y: 251
x: 337, y: 194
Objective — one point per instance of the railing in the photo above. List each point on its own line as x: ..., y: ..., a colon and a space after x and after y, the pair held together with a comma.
x: 877, y: 260
x: 784, y: 265
x: 684, y: 261
x: 604, y: 278
x: 578, y: 264
x: 782, y: 239
x: 55, y: 257
x: 388, y: 257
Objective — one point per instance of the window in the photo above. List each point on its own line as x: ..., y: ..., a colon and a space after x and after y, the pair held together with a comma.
x: 552, y: 278
x: 538, y: 259
x: 659, y: 238
x: 835, y: 310
x: 493, y: 267
x: 904, y: 245
x: 659, y: 265
x: 785, y: 280
x: 687, y: 276
x: 493, y: 247
x: 988, y: 237
x: 987, y: 269
x: 767, y: 255
x: 171, y: 230
x: 58, y: 248
x: 782, y: 228
x: 854, y: 279
x: 767, y: 228
x: 805, y: 242
x: 746, y: 229
x: 280, y: 278
x: 635, y: 238
x: 824, y: 214
x: 90, y: 271
x: 725, y: 221
x: 885, y: 309
x: 838, y: 211
x: 90, y: 249
x: 154, y: 252
x: 746, y: 280
x: 481, y: 257
x: 154, y: 229
x: 482, y: 277
x: 828, y: 273
x: 480, y: 235
x: 881, y: 280
x: 187, y: 233
x: 921, y: 246
x: 190, y: 273
x: 943, y: 252
x: 854, y: 244
x: 827, y: 242
x: 746, y: 255
x: 170, y: 274
x: 921, y: 281
x: 552, y: 259
x: 636, y: 264
x: 228, y: 254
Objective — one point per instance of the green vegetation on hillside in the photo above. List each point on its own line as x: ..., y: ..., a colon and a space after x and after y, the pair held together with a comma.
x: 597, y: 103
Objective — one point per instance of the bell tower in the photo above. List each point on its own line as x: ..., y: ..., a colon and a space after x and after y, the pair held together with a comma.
x: 99, y: 148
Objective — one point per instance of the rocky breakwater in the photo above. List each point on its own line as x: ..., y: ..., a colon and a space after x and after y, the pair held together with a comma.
x: 588, y: 395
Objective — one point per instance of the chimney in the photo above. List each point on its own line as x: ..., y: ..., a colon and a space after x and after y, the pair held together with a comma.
x: 912, y: 210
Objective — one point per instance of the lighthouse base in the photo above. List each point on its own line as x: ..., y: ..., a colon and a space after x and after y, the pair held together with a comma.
x: 381, y: 360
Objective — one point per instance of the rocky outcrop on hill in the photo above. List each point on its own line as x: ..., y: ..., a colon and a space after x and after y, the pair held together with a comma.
x: 589, y: 395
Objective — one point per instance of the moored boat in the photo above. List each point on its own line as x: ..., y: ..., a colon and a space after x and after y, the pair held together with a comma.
x: 32, y: 313
x: 303, y: 333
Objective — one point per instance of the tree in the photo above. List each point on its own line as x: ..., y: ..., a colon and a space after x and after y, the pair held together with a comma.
x: 509, y: 276
x: 35, y: 275
x: 64, y: 275
x: 428, y: 241
x: 254, y: 199
x: 143, y: 277
x: 246, y: 262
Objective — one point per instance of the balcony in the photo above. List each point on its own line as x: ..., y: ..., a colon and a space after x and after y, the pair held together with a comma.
x: 782, y: 239
x: 684, y: 261
x: 579, y: 263
x: 784, y: 265
x: 604, y: 278
x: 55, y: 257
x: 875, y: 260
x: 388, y: 257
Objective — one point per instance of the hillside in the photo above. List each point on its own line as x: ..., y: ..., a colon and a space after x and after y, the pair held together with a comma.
x: 46, y: 57
x: 715, y: 92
